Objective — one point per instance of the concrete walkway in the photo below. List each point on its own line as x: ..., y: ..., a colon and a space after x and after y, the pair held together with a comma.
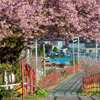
x: 70, y: 87
x: 71, y: 98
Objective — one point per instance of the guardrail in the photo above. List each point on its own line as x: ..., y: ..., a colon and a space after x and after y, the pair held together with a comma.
x: 50, y: 80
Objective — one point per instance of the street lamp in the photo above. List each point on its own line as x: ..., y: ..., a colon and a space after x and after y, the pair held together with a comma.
x: 78, y: 47
x: 96, y: 51
x: 73, y: 56
x: 44, y: 70
x: 78, y: 50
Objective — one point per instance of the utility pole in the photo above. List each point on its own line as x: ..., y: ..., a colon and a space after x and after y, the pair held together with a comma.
x: 78, y: 50
x: 73, y: 58
x: 36, y: 61
x: 96, y: 51
x: 44, y: 71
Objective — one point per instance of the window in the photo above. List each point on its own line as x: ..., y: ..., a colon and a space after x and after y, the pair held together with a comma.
x: 98, y: 51
x: 90, y: 51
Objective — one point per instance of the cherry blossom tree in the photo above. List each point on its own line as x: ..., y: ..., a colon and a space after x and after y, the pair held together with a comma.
x: 24, y: 20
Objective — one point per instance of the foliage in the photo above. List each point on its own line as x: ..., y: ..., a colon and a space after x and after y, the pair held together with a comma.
x: 9, y: 94
x: 24, y: 20
x: 62, y: 54
x: 17, y: 71
x: 14, y: 95
x: 82, y: 94
x: 41, y: 92
x: 2, y: 92
x: 94, y: 94
x: 40, y: 49
x: 48, y: 48
x: 84, y: 50
x: 71, y: 75
x: 5, y: 67
x: 55, y: 49
x: 11, y: 68
x: 0, y: 79
x: 32, y: 97
x: 71, y: 60
x: 11, y: 52
x: 39, y: 52
x: 24, y: 16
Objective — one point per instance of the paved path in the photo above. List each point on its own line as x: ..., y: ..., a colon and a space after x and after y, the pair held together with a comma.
x: 70, y: 87
x: 68, y: 90
x: 71, y: 98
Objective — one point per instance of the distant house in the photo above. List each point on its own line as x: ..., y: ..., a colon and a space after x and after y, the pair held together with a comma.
x: 59, y: 44
x: 81, y: 46
x: 91, y: 48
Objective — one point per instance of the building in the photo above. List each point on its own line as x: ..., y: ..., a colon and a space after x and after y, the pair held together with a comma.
x: 81, y: 46
x: 91, y: 48
x: 59, y: 44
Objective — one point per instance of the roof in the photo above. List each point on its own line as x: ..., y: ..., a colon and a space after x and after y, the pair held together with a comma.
x: 60, y: 60
x: 91, y: 45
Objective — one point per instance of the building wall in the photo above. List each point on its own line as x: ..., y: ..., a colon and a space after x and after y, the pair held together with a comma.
x: 48, y: 42
x: 81, y: 46
x: 58, y: 44
x: 65, y: 50
x: 92, y: 50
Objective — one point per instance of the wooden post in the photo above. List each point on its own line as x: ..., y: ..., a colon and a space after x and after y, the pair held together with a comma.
x: 27, y: 78
x: 22, y: 80
x: 31, y: 80
x: 35, y: 83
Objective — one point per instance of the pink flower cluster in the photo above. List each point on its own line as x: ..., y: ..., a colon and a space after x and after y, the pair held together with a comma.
x: 30, y: 18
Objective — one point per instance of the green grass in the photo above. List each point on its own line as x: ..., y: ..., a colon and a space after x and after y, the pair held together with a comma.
x: 81, y: 94
x: 71, y: 75
x: 84, y: 94
x: 0, y: 79
x: 32, y: 97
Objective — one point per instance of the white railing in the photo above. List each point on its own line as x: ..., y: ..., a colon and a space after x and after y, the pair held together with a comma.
x: 11, y: 84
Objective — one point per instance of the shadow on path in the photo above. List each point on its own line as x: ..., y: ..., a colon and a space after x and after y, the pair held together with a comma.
x: 70, y: 87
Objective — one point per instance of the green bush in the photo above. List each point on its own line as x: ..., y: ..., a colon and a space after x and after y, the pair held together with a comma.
x: 8, y: 94
x: 2, y: 92
x: 41, y: 92
x: 76, y: 61
x: 55, y: 49
x: 7, y: 67
x: 48, y: 48
x: 95, y: 94
x: 84, y: 50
